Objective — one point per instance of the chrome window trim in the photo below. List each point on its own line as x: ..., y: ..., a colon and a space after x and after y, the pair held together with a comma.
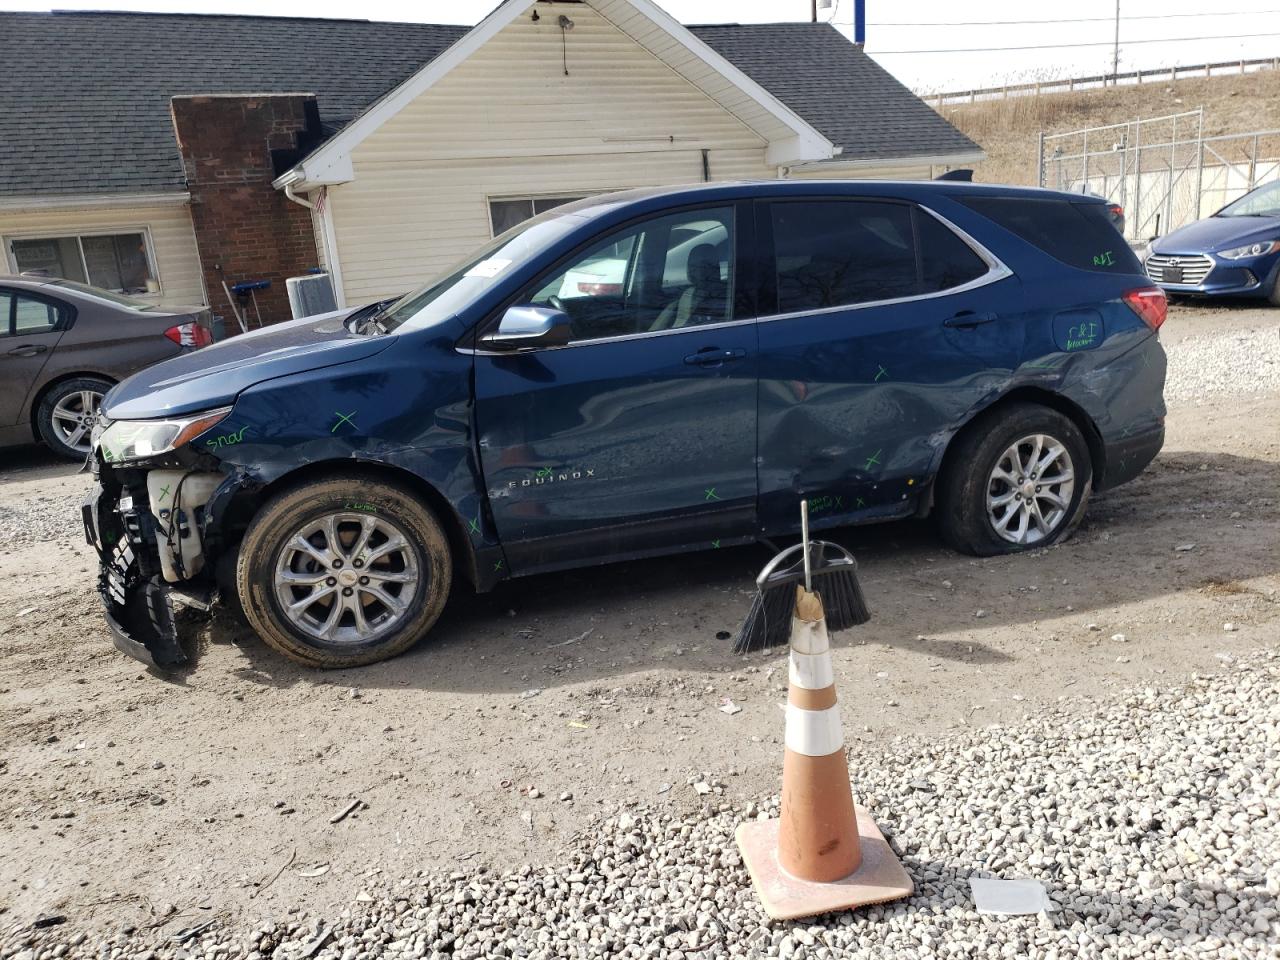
x: 648, y: 334
x: 996, y: 271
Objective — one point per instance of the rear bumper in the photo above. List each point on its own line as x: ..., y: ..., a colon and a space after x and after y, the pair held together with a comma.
x: 1127, y: 457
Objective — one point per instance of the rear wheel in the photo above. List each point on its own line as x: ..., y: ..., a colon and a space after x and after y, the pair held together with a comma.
x: 343, y: 572
x: 1019, y: 478
x: 1274, y: 295
x: 66, y: 414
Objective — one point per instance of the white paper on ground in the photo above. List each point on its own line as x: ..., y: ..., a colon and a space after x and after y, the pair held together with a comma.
x: 1009, y: 897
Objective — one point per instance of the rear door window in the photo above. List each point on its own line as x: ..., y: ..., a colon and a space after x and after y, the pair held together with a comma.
x: 1078, y: 234
x: 33, y: 316
x: 832, y: 253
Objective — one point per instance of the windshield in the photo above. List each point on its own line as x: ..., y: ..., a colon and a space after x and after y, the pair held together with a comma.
x: 1263, y: 202
x: 120, y: 301
x: 459, y: 286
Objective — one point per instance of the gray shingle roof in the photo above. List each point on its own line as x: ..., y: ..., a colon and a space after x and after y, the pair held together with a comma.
x: 84, y: 97
x: 844, y: 94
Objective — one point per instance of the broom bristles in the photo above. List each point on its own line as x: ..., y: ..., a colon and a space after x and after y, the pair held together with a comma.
x: 768, y: 622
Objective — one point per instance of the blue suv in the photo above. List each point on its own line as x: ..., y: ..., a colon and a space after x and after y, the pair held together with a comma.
x: 630, y: 375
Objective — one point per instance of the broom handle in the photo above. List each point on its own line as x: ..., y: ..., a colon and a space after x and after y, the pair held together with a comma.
x: 804, y: 534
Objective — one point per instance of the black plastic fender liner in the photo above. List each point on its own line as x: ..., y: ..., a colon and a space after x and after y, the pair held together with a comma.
x: 138, y: 610
x: 144, y: 627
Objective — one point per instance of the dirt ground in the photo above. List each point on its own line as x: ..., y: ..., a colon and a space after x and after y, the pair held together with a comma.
x: 132, y: 799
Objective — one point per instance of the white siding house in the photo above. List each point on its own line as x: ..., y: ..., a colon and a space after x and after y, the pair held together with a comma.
x: 542, y: 101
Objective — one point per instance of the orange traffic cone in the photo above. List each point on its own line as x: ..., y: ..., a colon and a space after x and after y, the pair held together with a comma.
x: 824, y: 853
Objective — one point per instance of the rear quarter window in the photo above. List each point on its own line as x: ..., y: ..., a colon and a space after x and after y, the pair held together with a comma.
x: 1080, y: 235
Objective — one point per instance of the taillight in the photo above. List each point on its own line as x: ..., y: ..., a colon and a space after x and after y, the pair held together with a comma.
x: 1116, y: 210
x: 189, y: 334
x: 1149, y: 303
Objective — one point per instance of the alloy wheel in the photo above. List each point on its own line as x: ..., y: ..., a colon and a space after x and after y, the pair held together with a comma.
x: 1030, y: 489
x: 73, y: 418
x: 347, y: 578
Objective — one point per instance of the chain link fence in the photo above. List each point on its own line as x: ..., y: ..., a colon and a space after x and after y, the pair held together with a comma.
x: 1162, y: 170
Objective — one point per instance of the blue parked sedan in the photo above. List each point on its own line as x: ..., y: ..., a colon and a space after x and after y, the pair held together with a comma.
x: 1236, y: 252
x: 985, y: 354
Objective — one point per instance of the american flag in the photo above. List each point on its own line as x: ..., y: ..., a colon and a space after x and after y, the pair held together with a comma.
x: 324, y: 193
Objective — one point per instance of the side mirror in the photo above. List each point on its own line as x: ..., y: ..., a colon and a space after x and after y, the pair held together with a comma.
x: 524, y: 327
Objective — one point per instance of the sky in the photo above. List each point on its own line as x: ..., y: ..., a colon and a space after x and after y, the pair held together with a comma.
x: 930, y: 45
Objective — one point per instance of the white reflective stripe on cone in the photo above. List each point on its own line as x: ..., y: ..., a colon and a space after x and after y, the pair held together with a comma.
x: 809, y: 637
x: 811, y: 671
x: 814, y: 733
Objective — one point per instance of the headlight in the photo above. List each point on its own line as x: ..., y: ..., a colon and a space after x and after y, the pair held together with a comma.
x: 123, y: 440
x: 1252, y: 250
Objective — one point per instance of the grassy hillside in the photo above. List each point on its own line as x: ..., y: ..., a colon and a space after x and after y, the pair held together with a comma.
x: 1007, y: 129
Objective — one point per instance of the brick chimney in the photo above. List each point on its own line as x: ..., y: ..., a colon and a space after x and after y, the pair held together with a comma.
x: 233, y: 146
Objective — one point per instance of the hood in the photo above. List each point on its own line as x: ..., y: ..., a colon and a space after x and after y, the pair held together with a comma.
x: 215, y: 375
x: 1218, y: 233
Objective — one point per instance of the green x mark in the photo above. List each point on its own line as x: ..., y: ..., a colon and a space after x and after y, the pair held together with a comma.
x: 715, y: 543
x: 882, y: 372
x: 861, y: 502
x: 475, y: 525
x: 498, y: 566
x: 873, y: 460
x: 711, y: 494
x: 344, y: 418
x: 163, y: 493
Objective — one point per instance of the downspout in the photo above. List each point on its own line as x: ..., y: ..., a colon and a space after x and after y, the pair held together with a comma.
x: 288, y: 192
x: 330, y: 241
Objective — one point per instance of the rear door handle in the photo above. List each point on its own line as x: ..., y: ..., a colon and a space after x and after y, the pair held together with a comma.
x: 713, y: 357
x: 28, y: 350
x: 967, y: 319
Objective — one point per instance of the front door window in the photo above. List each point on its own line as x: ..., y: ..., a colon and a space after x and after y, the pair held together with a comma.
x: 668, y: 273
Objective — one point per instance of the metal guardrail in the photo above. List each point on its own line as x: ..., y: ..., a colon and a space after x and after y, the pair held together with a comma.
x: 1071, y: 84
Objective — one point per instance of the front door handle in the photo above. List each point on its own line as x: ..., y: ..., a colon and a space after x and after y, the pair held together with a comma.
x: 28, y: 350
x: 967, y: 319
x: 713, y: 357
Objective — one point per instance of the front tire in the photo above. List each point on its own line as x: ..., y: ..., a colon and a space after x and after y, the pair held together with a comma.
x: 66, y: 414
x: 343, y: 572
x: 1018, y: 479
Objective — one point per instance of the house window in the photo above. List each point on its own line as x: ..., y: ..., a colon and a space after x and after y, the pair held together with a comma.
x: 115, y: 261
x: 505, y: 214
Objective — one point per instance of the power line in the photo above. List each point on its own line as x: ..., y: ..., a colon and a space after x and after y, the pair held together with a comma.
x: 1012, y: 23
x: 1063, y: 46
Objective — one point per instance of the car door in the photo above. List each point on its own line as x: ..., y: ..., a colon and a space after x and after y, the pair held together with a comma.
x: 885, y: 327
x: 639, y: 435
x: 30, y: 328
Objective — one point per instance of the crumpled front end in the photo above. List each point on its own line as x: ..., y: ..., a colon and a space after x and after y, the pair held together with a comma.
x: 147, y: 520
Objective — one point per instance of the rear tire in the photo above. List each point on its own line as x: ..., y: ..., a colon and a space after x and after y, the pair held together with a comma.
x: 343, y: 572
x: 993, y: 500
x: 1274, y: 296
x: 66, y: 413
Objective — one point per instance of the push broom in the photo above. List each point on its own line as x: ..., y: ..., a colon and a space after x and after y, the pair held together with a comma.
x: 825, y: 568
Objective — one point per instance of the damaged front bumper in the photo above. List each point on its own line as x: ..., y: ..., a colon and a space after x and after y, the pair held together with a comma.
x: 139, y: 611
x: 150, y: 542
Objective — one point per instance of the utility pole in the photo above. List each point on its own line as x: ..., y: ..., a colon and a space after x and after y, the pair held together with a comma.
x: 813, y: 11
x: 1115, y: 49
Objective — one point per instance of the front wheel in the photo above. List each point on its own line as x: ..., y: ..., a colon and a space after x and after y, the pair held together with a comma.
x: 1019, y: 478
x: 343, y: 572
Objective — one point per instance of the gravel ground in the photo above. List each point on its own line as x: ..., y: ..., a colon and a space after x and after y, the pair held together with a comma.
x: 1216, y: 365
x: 41, y: 518
x: 1154, y: 826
